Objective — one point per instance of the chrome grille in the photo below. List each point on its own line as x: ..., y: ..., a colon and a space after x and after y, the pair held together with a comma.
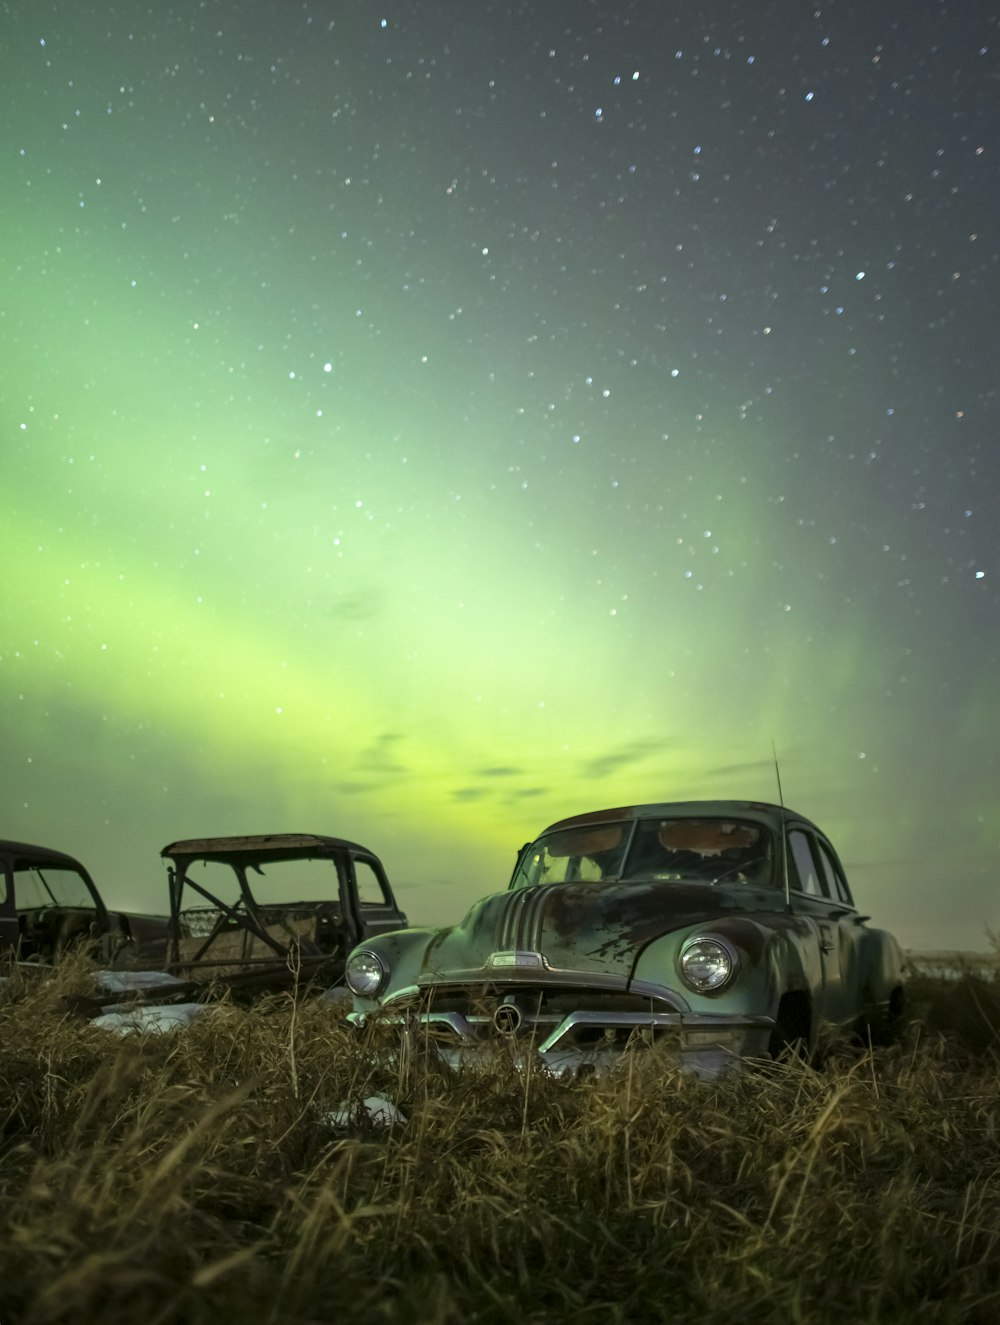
x: 582, y: 1016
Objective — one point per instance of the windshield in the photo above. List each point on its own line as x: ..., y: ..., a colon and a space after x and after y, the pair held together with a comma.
x: 708, y: 850
x: 574, y: 855
x: 52, y: 886
x: 699, y: 850
x: 269, y: 882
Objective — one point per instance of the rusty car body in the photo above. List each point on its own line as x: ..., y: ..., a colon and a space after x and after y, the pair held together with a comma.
x: 49, y: 904
x: 267, y: 911
x: 716, y: 930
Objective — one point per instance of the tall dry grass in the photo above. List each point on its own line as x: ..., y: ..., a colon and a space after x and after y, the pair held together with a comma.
x: 195, y: 1178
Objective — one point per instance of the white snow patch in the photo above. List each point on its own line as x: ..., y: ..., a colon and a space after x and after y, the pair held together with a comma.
x: 377, y: 1107
x: 125, y: 1020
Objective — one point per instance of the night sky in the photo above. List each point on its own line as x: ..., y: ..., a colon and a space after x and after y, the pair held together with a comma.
x: 423, y: 421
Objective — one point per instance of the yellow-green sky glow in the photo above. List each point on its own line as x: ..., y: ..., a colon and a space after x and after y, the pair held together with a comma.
x: 373, y: 466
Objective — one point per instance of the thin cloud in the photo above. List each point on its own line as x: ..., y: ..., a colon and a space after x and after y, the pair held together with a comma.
x: 604, y: 765
x: 380, y: 757
x: 468, y: 793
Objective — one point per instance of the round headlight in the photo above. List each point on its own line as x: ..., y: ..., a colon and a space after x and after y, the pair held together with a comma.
x: 366, y: 974
x: 707, y: 964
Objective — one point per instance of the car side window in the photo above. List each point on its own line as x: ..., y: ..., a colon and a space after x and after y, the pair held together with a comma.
x: 803, y: 876
x: 371, y: 890
x: 835, y: 881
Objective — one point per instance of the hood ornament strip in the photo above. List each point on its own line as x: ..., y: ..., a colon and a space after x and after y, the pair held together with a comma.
x: 510, y: 916
x: 521, y: 919
x: 532, y: 918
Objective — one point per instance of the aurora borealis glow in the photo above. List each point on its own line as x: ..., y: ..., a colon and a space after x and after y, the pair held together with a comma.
x: 422, y: 422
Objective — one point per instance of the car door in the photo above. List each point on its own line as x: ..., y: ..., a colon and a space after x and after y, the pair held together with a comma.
x: 850, y: 928
x: 9, y: 932
x: 377, y: 912
x: 810, y: 898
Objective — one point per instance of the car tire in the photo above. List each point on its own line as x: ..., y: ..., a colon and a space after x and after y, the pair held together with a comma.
x: 887, y: 1027
x: 790, y: 1037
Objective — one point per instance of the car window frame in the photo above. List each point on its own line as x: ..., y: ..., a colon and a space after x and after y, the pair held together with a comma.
x: 794, y: 874
x: 629, y: 827
x: 829, y: 871
x: 386, y: 900
x: 829, y: 863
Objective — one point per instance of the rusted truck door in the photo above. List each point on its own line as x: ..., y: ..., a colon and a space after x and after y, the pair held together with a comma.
x: 8, y: 914
x: 372, y: 907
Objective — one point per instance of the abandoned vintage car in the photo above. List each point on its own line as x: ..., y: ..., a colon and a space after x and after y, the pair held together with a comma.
x: 267, y: 911
x: 49, y: 904
x: 718, y: 930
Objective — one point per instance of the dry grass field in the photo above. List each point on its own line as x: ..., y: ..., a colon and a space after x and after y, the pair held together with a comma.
x: 196, y: 1178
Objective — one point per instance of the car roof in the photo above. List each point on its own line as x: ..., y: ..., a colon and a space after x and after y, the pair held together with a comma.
x: 760, y: 811
x: 40, y: 855
x: 261, y: 846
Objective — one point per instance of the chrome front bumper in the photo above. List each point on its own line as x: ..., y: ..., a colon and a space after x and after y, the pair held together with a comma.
x: 584, y: 1041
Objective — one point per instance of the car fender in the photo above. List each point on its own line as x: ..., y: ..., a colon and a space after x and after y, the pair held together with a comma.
x: 795, y: 957
x: 881, y: 965
x: 404, y: 953
x: 771, y: 963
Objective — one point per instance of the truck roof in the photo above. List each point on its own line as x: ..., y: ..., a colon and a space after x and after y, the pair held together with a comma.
x: 39, y: 855
x: 261, y: 846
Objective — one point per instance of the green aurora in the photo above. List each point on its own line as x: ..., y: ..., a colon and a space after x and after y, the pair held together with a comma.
x: 398, y: 448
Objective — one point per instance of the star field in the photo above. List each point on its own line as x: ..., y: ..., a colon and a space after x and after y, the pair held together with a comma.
x: 420, y: 423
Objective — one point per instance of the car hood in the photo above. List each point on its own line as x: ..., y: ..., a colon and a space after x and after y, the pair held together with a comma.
x: 598, y: 928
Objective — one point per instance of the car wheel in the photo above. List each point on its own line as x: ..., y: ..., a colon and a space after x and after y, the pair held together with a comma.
x: 790, y: 1037
x: 887, y: 1026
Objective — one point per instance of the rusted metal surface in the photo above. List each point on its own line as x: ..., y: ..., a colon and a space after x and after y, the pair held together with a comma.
x: 49, y: 903
x: 262, y: 846
x: 268, y: 911
x: 616, y: 923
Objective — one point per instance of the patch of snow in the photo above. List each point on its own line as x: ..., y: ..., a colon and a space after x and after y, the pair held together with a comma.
x: 377, y: 1107
x: 156, y: 1018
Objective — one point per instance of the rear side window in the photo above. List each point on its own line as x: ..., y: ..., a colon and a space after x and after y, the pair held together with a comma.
x: 803, y: 876
x: 835, y: 881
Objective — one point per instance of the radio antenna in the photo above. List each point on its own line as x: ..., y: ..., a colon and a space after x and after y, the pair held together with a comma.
x: 784, y: 835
